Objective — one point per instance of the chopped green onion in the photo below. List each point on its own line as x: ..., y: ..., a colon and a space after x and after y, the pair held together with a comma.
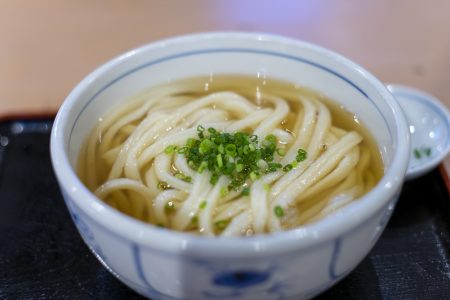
x: 230, y: 149
x: 212, y: 130
x: 228, y: 169
x: 182, y: 150
x: 254, y: 176
x: 287, y: 167
x: 183, y: 177
x: 246, y: 149
x: 281, y: 152
x: 169, y: 207
x: 203, y: 204
x: 214, y: 178
x: 190, y: 143
x: 202, y: 167
x: 170, y: 149
x: 205, y: 146
x: 246, y: 191
x: 219, y: 160
x: 417, y: 153
x: 272, y: 167
x: 162, y: 185
x: 423, y: 151
x: 279, y: 212
x: 222, y: 224
x: 221, y: 149
x: 223, y: 191
x: 270, y: 140
x: 239, y: 156
x: 301, y: 155
x: 262, y: 164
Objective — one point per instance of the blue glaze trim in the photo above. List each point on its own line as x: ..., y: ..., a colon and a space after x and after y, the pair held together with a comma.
x: 151, y: 291
x: 100, y: 256
x: 334, y: 257
x: 138, y: 265
x: 220, y: 50
x: 241, y: 279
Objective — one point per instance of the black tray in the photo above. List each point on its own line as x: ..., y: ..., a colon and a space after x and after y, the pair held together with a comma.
x: 43, y: 257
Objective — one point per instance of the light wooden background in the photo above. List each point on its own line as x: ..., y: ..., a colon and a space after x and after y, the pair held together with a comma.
x: 47, y: 46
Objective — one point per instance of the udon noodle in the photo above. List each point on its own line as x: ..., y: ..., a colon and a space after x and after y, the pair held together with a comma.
x: 125, y: 162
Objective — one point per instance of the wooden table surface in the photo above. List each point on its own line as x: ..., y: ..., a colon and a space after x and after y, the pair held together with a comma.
x: 47, y: 46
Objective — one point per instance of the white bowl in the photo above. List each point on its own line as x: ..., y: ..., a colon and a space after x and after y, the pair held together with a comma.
x: 164, y: 264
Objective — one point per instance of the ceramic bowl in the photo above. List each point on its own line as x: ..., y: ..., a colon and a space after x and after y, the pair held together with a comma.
x: 297, y: 264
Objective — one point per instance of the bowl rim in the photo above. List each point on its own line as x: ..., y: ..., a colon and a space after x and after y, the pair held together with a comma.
x: 116, y: 223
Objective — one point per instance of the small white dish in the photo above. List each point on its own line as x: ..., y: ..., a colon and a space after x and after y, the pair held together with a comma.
x: 429, y: 125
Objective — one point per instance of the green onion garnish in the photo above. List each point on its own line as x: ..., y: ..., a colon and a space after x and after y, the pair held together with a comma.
x: 182, y: 150
x: 205, y: 146
x: 183, y: 177
x: 162, y: 185
x: 281, y: 152
x: 170, y: 149
x: 417, y: 153
x: 423, y: 151
x: 254, y: 175
x: 223, y: 191
x: 222, y: 224
x: 169, y: 207
x: 278, y: 210
x: 301, y: 155
x: 219, y: 160
x: 246, y: 191
x: 239, y: 156
x: 287, y: 167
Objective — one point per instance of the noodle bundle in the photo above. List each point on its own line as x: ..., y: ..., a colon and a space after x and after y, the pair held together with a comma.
x: 125, y: 160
